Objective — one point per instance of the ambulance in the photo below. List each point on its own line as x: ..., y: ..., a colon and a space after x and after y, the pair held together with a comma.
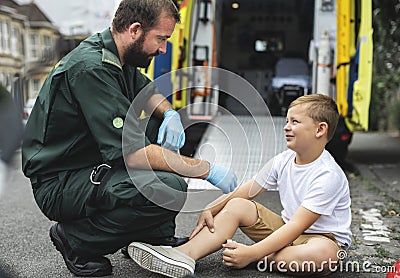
x: 283, y: 49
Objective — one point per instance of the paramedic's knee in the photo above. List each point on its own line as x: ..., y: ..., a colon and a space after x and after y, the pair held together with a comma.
x: 173, y: 193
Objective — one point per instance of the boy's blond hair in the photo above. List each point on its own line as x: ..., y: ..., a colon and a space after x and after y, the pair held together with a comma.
x: 320, y: 108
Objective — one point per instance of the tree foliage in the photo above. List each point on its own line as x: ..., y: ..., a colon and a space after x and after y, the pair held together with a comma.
x: 386, y: 72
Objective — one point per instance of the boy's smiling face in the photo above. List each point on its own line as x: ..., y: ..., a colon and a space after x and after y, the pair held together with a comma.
x: 300, y: 129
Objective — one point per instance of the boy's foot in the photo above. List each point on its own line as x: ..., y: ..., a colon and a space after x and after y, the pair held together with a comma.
x: 161, y: 259
x: 80, y: 266
x: 164, y: 241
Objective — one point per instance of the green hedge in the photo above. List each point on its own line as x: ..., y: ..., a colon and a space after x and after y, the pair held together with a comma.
x: 386, y: 71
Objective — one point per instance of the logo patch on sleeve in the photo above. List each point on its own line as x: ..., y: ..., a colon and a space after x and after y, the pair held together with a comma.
x: 118, y: 122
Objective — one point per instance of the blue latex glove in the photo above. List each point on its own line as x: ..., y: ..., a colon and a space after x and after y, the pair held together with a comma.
x: 223, y: 178
x: 171, y: 134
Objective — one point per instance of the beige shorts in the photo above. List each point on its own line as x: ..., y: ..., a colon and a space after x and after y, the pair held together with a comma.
x: 268, y: 222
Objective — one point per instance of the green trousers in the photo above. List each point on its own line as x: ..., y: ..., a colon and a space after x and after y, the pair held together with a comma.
x: 131, y: 207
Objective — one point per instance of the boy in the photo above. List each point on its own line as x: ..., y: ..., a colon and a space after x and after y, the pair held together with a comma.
x: 315, y: 221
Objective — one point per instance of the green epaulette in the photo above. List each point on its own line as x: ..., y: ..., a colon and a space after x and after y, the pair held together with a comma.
x: 111, y: 58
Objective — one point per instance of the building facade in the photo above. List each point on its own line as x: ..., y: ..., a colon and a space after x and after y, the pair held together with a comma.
x: 28, y: 49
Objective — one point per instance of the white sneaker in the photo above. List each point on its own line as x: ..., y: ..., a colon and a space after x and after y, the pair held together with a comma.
x: 161, y: 259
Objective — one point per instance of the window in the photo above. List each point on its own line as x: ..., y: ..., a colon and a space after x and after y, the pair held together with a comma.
x: 14, y: 41
x: 35, y: 86
x: 48, y: 54
x: 6, y: 37
x: 268, y: 43
x: 260, y: 46
x: 34, y: 46
x: 1, y: 37
x: 8, y: 82
x: 5, y: 80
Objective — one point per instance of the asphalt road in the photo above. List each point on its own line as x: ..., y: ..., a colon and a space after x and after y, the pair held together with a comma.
x: 26, y: 250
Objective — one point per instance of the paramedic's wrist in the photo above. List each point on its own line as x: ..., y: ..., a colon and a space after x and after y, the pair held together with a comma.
x: 222, y: 177
x: 171, y: 134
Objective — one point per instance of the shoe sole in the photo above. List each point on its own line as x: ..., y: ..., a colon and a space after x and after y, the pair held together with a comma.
x: 155, y: 262
x: 124, y: 250
x: 57, y: 242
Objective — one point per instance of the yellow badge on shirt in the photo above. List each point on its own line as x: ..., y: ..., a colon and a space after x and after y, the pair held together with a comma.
x: 118, y: 122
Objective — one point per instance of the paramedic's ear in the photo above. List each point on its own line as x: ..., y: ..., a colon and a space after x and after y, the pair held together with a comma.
x: 322, y: 129
x: 135, y: 29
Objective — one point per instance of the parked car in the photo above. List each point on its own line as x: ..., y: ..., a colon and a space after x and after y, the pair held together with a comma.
x: 27, y: 109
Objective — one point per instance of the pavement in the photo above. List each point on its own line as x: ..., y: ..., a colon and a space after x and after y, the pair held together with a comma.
x: 26, y: 250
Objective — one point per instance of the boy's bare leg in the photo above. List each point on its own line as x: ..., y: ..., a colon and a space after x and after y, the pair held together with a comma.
x: 317, y: 255
x: 237, y: 212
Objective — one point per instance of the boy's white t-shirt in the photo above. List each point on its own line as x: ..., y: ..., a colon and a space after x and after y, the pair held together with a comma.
x: 320, y: 186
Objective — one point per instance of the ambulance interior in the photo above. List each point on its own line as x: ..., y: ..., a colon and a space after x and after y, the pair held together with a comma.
x: 266, y: 42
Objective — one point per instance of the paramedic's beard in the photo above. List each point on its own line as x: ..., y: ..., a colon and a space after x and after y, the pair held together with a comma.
x: 135, y: 56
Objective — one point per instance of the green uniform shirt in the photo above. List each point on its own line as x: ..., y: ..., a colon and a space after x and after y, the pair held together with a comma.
x: 78, y: 117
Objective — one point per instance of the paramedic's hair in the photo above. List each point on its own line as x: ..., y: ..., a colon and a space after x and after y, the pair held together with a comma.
x: 320, y: 108
x: 146, y: 12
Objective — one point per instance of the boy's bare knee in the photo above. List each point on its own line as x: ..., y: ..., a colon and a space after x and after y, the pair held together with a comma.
x: 235, y: 202
x: 325, y: 256
x: 241, y: 210
x: 237, y: 205
x: 232, y: 207
x: 325, y: 249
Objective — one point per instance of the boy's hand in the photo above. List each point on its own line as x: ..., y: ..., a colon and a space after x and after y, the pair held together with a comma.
x: 236, y: 255
x: 205, y: 219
